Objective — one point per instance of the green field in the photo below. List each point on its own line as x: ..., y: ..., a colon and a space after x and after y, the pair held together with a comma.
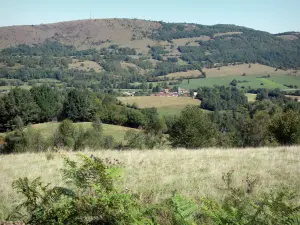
x: 277, y: 81
x: 251, y: 97
x: 117, y: 132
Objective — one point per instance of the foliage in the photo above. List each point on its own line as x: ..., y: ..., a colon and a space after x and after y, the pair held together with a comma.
x: 49, y: 101
x: 221, y: 98
x: 286, y: 128
x: 193, y: 129
x: 89, y: 197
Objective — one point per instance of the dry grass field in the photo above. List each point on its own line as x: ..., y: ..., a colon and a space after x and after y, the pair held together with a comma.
x: 255, y: 70
x: 190, y: 73
x: 157, y: 101
x: 238, y: 70
x: 85, y: 65
x: 226, y: 34
x: 165, y: 105
x: 154, y: 174
x: 184, y: 41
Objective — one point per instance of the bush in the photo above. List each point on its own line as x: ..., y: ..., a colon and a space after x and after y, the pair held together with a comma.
x: 89, y: 197
x: 29, y: 140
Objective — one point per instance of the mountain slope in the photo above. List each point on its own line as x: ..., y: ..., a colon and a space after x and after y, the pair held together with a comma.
x: 81, y: 33
x: 208, y: 45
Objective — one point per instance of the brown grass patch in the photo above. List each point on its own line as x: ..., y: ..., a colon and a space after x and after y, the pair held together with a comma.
x: 288, y: 37
x: 184, y: 41
x: 157, y: 101
x: 226, y: 34
x: 190, y: 73
x: 255, y: 70
x: 87, y: 65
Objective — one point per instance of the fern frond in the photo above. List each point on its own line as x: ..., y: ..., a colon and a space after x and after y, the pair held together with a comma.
x: 184, y: 209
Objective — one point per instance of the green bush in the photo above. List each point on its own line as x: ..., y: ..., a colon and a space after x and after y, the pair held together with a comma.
x: 29, y: 140
x: 89, y: 197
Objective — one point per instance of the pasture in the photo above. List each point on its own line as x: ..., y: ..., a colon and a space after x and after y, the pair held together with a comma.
x: 278, y: 81
x: 164, y: 105
x: 153, y: 175
x: 47, y: 129
x: 237, y: 70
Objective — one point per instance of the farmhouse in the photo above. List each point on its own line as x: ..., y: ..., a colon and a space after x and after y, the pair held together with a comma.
x: 129, y: 94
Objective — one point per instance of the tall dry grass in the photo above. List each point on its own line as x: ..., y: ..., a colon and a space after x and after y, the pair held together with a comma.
x: 155, y: 174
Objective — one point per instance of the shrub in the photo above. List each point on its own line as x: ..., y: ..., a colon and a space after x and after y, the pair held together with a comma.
x: 89, y: 197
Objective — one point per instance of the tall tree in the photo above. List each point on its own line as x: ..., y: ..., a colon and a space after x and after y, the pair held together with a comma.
x: 49, y: 100
x: 193, y: 129
x: 18, y: 102
x: 79, y: 105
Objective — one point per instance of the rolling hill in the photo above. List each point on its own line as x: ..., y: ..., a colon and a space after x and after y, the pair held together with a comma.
x: 116, y: 53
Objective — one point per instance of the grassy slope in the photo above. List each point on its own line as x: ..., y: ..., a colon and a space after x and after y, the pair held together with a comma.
x: 117, y: 132
x: 155, y: 174
x: 164, y: 105
x: 277, y: 81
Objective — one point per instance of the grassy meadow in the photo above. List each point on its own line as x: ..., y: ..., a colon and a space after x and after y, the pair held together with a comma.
x: 164, y: 105
x: 277, y: 81
x: 47, y: 129
x: 154, y: 174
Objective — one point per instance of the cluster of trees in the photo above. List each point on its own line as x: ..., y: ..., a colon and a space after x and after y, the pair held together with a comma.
x: 250, y: 46
x: 253, y: 47
x: 169, y: 31
x: 43, y: 104
x: 51, y: 60
x: 270, y: 121
x: 166, y: 67
x: 221, y: 98
x: 192, y: 53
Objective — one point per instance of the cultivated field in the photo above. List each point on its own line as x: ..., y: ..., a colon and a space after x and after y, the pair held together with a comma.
x: 154, y: 175
x: 164, y: 105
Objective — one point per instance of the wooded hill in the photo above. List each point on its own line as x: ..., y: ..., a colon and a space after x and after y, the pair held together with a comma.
x: 191, y: 42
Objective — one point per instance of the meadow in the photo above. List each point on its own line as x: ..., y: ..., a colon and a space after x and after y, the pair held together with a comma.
x: 155, y: 174
x: 272, y: 82
x: 118, y: 132
x: 164, y: 105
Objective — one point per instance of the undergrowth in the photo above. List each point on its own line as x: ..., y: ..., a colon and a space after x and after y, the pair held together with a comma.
x: 89, y: 196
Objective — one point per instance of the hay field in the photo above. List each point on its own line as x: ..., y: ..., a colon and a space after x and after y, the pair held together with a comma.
x: 190, y: 73
x: 165, y: 105
x: 255, y: 70
x: 154, y: 174
x: 157, y: 101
